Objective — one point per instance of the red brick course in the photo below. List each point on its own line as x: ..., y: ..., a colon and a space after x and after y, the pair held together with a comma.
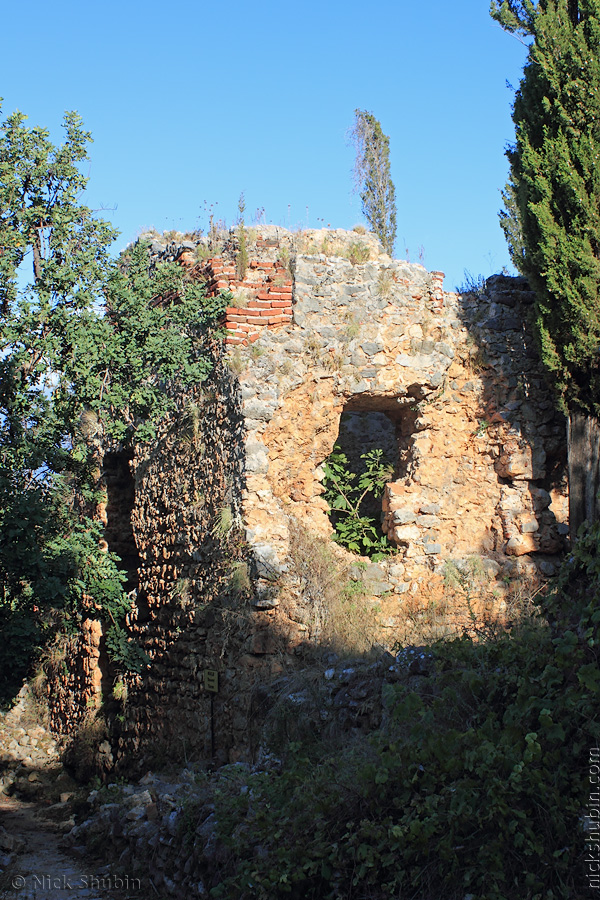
x: 270, y: 290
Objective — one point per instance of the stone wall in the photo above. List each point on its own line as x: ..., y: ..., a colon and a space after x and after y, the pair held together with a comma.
x: 481, y: 450
x: 377, y: 354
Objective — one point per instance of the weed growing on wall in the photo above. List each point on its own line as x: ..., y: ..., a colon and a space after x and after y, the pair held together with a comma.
x: 473, y: 284
x: 341, y: 620
x: 242, y: 254
x: 285, y: 260
x: 358, y: 253
x: 346, y: 491
x: 385, y: 284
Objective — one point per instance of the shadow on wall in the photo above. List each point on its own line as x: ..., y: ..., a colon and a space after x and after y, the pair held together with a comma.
x: 519, y: 423
x: 200, y: 606
x: 233, y: 679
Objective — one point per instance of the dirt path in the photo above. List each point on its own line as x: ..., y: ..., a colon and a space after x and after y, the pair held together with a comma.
x: 43, y: 871
x: 35, y: 812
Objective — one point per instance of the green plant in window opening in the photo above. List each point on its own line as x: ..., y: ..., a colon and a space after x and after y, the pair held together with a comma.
x: 346, y: 491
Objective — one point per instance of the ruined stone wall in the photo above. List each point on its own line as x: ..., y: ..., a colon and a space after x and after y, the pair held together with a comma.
x: 377, y: 354
x: 186, y: 522
x: 481, y: 450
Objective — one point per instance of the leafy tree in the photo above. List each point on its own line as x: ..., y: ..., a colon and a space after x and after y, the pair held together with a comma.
x: 152, y: 343
x: 42, y: 222
x: 90, y: 350
x: 552, y: 216
x: 373, y: 177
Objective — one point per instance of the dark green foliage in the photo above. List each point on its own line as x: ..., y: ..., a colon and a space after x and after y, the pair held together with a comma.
x: 346, y: 491
x: 373, y: 177
x: 475, y: 786
x: 552, y: 217
x: 516, y: 16
x: 156, y: 320
x: 89, y: 349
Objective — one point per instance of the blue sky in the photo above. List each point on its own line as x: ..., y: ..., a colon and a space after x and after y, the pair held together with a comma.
x: 189, y: 104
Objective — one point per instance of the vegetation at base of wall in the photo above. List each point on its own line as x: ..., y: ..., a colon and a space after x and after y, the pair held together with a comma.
x: 80, y: 755
x: 475, y: 784
x: 91, y: 351
x: 341, y: 620
x: 346, y: 492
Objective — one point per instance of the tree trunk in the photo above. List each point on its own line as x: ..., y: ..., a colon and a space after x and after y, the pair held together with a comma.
x: 574, y: 12
x: 583, y: 436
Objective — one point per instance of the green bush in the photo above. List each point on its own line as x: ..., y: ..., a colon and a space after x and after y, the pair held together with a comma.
x: 475, y: 786
x: 346, y: 491
x: 93, y: 353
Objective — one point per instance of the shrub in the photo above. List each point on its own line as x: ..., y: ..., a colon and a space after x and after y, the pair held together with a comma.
x: 346, y: 491
x: 475, y: 786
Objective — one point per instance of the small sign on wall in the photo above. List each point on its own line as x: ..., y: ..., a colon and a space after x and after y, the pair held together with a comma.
x: 211, y: 680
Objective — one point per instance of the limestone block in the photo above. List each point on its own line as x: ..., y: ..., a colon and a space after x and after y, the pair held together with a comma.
x: 403, y: 516
x: 257, y: 461
x: 432, y: 549
x: 259, y: 409
x: 428, y: 521
x: 518, y: 460
x: 540, y: 497
x: 404, y: 533
x: 491, y: 568
x: 371, y: 348
x: 520, y: 545
x: 515, y: 461
x: 529, y: 526
x: 416, y: 362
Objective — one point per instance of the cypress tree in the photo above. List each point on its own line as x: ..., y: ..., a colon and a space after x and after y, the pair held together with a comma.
x: 552, y: 215
x: 373, y: 177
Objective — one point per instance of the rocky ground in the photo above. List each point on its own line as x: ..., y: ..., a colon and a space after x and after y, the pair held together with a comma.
x: 38, y: 801
x: 158, y: 837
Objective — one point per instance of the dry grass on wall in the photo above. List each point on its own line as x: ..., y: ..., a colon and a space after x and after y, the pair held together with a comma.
x: 466, y: 601
x: 343, y: 619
